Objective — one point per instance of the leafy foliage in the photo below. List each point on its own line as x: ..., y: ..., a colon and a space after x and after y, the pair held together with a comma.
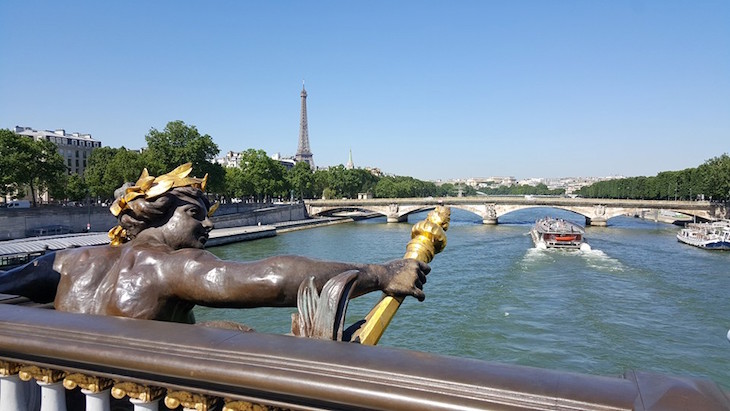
x: 109, y: 168
x: 76, y: 188
x: 178, y: 144
x: 261, y: 176
x: 301, y: 180
x: 25, y: 162
x: 540, y: 189
x: 710, y: 180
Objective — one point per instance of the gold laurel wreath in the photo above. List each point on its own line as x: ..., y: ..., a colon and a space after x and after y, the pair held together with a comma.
x: 151, y: 187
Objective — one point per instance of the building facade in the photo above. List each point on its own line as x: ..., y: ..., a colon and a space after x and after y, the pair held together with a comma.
x: 233, y: 159
x: 75, y: 148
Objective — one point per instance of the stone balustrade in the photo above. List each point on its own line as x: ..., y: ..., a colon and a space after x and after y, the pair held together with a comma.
x: 49, y: 358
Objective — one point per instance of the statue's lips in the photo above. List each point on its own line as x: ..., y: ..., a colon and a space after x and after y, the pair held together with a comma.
x: 203, y: 239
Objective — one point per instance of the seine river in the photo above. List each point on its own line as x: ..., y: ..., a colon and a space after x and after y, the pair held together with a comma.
x: 638, y: 300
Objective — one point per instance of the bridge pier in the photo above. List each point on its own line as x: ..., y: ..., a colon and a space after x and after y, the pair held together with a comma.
x: 596, y: 222
x: 397, y: 218
x: 490, y: 221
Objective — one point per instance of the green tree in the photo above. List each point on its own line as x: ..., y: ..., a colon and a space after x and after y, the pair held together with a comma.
x: 385, y: 188
x: 301, y: 180
x: 178, y: 144
x: 714, y: 177
x: 321, y: 182
x: 28, y: 163
x: 76, y: 188
x: 329, y: 194
x: 265, y: 175
x: 109, y: 168
x: 710, y: 180
x: 14, y: 155
x: 235, y: 185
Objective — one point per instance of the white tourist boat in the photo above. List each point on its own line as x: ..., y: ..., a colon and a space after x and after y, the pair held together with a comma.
x: 712, y: 236
x: 551, y: 232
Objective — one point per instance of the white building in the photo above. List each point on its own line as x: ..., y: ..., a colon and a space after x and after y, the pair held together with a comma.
x: 233, y: 159
x: 75, y: 148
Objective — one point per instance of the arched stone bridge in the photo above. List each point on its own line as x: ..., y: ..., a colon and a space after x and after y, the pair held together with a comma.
x: 597, y: 211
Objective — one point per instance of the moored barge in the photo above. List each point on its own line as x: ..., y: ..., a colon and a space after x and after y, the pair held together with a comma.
x: 711, y: 236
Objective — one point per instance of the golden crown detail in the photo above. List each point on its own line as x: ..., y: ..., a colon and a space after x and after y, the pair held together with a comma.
x: 150, y: 187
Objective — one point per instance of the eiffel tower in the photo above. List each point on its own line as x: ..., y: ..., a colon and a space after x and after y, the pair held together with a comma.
x: 304, y: 153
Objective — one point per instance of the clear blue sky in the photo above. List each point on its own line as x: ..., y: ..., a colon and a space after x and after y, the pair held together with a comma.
x: 447, y: 89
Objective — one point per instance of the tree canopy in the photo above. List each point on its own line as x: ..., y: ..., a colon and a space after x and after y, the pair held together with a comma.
x: 179, y: 143
x: 710, y: 181
x: 261, y: 176
x: 25, y: 162
x: 109, y: 168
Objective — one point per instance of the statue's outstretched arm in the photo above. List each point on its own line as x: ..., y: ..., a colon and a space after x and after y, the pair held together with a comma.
x: 274, y: 282
x: 36, y: 280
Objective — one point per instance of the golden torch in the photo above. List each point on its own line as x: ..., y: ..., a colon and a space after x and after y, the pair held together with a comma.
x: 428, y: 238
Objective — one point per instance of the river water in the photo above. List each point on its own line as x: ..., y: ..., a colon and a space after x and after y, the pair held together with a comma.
x: 638, y: 300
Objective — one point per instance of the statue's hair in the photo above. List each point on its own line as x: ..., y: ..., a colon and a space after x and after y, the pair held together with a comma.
x: 142, y: 213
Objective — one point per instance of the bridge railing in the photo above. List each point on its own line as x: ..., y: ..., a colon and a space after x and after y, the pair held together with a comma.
x: 150, y: 363
x: 547, y: 200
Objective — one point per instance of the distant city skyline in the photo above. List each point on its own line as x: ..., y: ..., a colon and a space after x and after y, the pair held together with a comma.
x: 428, y: 90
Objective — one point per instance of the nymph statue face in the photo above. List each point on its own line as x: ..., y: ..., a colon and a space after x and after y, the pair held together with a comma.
x: 188, y: 226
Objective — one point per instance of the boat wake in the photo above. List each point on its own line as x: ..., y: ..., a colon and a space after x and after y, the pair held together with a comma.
x: 595, y: 259
x: 598, y: 260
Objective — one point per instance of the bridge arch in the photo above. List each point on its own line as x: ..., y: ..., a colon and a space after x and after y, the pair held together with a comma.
x: 596, y: 211
x: 394, y: 213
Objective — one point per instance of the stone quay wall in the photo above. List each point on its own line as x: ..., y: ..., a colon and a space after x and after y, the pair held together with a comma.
x: 27, y: 222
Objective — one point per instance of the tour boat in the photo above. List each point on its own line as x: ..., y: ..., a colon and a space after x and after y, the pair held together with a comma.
x: 712, y: 236
x: 551, y: 232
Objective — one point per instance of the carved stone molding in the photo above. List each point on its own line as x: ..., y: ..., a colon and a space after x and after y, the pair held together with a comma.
x: 8, y: 368
x: 490, y: 210
x: 86, y: 382
x: 197, y: 402
x: 140, y: 392
x: 45, y: 375
x: 600, y: 210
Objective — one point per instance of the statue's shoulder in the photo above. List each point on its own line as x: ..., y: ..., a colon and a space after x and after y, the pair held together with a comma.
x: 80, y: 255
x: 193, y: 253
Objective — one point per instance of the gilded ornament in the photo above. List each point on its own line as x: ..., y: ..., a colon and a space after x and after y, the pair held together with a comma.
x: 137, y: 391
x: 8, y: 368
x: 45, y: 375
x: 86, y: 382
x: 197, y: 402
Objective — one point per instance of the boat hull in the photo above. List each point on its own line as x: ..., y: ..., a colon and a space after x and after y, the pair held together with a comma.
x: 710, y: 236
x: 709, y: 245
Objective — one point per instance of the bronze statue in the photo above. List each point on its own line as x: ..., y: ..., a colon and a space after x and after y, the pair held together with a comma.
x: 156, y: 267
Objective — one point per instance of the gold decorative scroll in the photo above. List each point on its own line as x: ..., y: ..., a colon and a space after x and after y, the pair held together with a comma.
x: 86, y: 382
x: 140, y: 392
x: 197, y: 402
x: 45, y: 375
x: 8, y: 368
x: 428, y: 238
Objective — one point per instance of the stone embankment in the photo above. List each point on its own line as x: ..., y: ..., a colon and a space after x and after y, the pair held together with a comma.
x: 664, y: 216
x: 45, y: 220
x: 231, y: 227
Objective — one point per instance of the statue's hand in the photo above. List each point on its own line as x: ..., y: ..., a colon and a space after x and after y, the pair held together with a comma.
x: 405, y: 277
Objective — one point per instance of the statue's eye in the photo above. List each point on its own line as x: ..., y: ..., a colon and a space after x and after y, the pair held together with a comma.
x: 193, y: 211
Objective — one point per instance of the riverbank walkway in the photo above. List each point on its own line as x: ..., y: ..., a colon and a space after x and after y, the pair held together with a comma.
x: 20, y: 251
